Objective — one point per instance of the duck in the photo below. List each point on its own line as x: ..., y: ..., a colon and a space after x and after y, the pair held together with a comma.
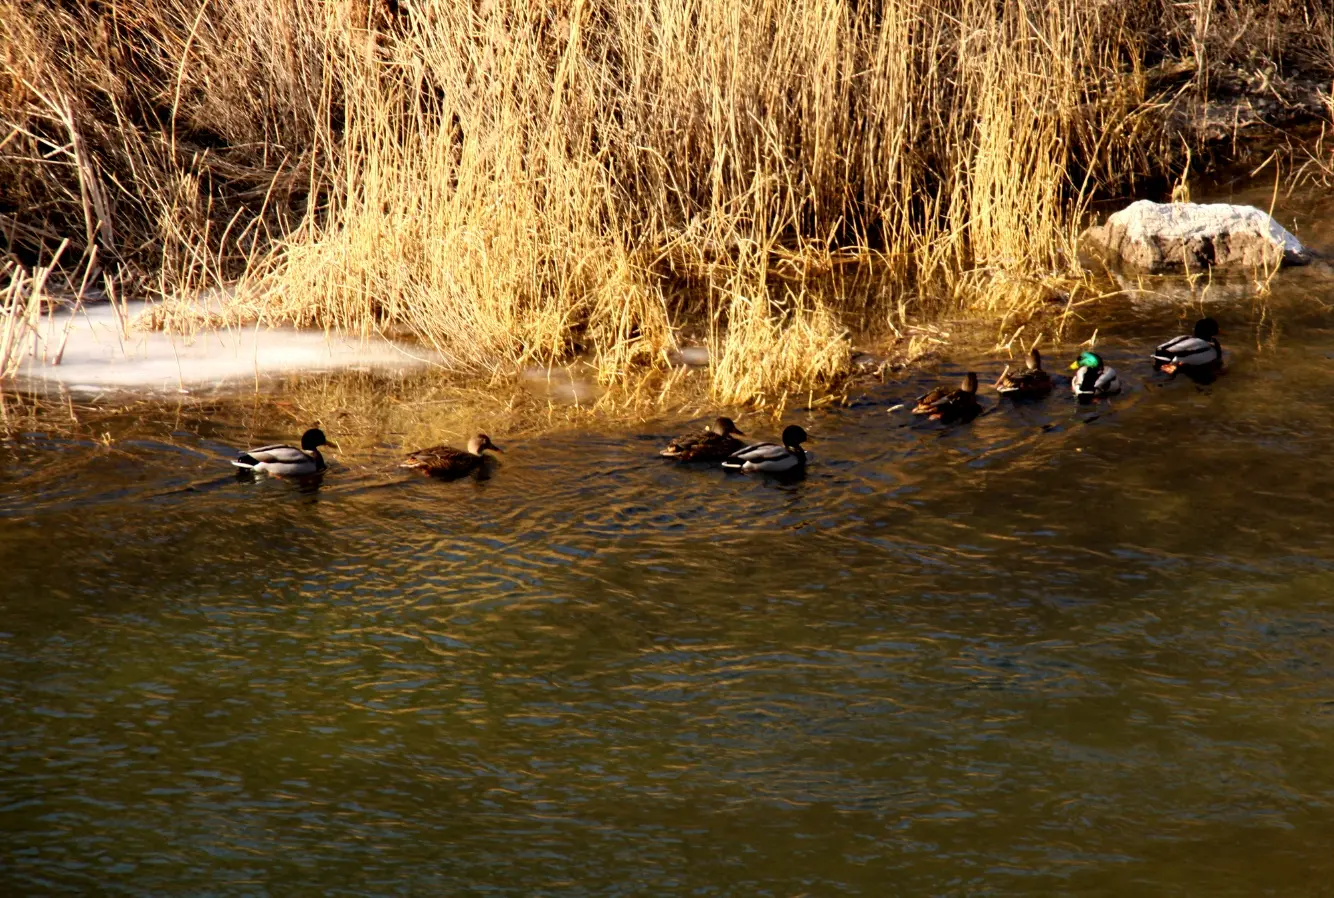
x: 446, y: 462
x: 949, y: 406
x: 772, y: 458
x: 713, y: 443
x: 1093, y: 377
x: 1031, y: 383
x: 1199, y: 352
x: 282, y: 460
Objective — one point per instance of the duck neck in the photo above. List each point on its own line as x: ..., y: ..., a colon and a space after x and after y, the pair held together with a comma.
x: 319, y: 459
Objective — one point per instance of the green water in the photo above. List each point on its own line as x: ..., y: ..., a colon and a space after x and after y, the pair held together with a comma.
x: 1057, y: 651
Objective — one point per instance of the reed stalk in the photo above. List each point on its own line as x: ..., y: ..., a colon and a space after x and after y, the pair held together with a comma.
x: 516, y: 182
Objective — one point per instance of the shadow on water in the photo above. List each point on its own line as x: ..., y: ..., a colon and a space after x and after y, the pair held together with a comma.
x: 1059, y: 649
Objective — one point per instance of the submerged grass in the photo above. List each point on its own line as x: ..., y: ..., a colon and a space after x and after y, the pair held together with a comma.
x: 516, y: 182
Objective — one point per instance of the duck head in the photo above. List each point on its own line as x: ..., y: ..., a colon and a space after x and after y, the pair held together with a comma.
x: 1087, y: 359
x: 794, y: 436
x: 726, y: 426
x: 1206, y: 328
x: 969, y: 384
x: 313, y: 439
x: 480, y: 443
x: 1034, y: 360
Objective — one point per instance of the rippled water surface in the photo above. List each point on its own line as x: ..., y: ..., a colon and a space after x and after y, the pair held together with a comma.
x: 1059, y: 650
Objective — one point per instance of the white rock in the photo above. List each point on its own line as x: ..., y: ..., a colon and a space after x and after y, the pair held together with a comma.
x: 1163, y: 237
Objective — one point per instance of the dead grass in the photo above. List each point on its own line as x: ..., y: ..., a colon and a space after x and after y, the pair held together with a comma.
x: 515, y: 182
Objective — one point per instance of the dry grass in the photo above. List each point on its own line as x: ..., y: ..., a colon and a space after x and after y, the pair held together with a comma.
x: 515, y: 182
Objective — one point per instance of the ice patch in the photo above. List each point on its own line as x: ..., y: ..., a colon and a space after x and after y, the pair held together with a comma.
x: 99, y: 356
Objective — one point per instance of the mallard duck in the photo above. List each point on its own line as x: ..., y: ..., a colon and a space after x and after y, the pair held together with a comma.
x: 282, y: 460
x: 1031, y: 383
x: 771, y: 457
x: 1199, y: 352
x: 1092, y: 377
x: 446, y: 462
x: 949, y: 406
x: 714, y: 443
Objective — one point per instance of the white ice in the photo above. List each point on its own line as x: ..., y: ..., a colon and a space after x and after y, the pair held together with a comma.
x: 101, y: 356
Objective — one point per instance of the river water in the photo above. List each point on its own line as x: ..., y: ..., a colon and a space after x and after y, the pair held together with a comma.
x: 1059, y: 650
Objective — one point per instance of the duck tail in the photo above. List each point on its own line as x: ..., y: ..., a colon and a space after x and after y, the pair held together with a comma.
x: 246, y: 460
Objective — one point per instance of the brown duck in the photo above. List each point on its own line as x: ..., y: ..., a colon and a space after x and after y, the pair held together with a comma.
x: 714, y: 443
x: 446, y: 462
x: 1031, y: 383
x: 947, y: 405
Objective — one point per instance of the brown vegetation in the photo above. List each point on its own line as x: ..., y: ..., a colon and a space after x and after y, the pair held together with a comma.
x: 514, y: 181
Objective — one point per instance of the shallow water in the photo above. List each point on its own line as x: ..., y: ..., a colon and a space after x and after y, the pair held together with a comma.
x: 1059, y: 650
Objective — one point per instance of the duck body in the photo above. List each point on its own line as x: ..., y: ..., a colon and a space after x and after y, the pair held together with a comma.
x: 1031, y: 383
x: 714, y: 443
x: 772, y: 458
x: 951, y: 405
x: 448, y: 463
x: 1198, y: 352
x: 282, y: 460
x: 1093, y: 378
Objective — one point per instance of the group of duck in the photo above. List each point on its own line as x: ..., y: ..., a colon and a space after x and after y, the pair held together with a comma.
x: 1197, y: 354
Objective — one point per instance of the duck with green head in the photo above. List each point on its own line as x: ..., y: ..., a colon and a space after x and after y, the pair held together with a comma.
x: 282, y: 460
x: 1031, y: 383
x: 713, y: 443
x: 1093, y: 377
x: 771, y: 458
x: 949, y: 405
x: 1199, y: 352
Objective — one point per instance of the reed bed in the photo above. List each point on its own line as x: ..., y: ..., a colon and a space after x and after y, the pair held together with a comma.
x: 516, y: 182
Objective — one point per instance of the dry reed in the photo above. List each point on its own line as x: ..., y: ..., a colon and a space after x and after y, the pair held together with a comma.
x: 517, y: 182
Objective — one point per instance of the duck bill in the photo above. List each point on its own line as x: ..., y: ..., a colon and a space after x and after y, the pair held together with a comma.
x: 1074, y: 366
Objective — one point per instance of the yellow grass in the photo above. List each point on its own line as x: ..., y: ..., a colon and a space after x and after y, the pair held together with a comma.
x: 513, y: 181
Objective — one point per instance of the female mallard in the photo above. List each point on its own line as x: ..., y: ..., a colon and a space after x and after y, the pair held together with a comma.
x: 714, y: 443
x: 282, y: 460
x: 1093, y: 377
x: 949, y: 406
x: 446, y: 462
x: 1031, y: 383
x: 772, y: 458
x: 1197, y: 353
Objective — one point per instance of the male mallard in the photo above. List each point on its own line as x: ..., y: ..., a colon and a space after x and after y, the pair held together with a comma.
x: 1031, y: 383
x: 446, y: 462
x: 714, y: 443
x: 282, y: 460
x: 949, y: 406
x: 1198, y: 353
x: 770, y: 457
x: 1093, y: 378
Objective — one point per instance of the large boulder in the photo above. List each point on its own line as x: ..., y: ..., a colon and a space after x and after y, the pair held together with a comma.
x: 1168, y: 237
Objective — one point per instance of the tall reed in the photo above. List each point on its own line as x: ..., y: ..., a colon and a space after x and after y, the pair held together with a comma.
x: 519, y: 182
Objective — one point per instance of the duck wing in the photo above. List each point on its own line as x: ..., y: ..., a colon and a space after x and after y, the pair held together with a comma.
x: 1091, y: 382
x: 928, y: 403
x: 686, y: 443
x: 755, y: 452
x: 1188, y: 351
x: 1107, y: 382
x: 707, y: 446
x: 1030, y: 381
x: 441, y: 461
x: 279, y: 459
x: 772, y: 457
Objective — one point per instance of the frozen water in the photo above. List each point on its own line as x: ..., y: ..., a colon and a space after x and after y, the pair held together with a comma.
x: 100, y: 357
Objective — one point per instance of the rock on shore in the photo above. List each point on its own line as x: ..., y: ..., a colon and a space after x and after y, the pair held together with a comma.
x: 1171, y: 237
